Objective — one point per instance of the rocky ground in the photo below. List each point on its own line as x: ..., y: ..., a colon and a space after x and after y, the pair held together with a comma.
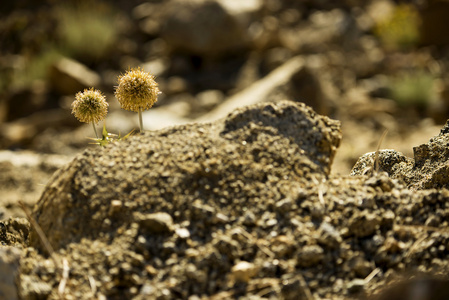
x: 316, y: 232
x: 244, y: 207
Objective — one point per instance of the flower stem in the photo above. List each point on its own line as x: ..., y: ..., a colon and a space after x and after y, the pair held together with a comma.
x: 140, y: 120
x: 95, y: 130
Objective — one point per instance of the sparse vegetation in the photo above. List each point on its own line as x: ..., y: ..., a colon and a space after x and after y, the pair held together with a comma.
x: 400, y: 31
x: 34, y: 67
x: 415, y: 88
x: 87, y: 31
x: 136, y: 91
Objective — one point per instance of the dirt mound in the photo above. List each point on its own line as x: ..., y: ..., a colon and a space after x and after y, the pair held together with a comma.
x: 242, y: 207
x: 246, y: 154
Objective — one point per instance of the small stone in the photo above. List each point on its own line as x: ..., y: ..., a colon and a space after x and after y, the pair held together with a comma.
x: 68, y: 76
x: 291, y: 289
x: 116, y: 206
x: 310, y: 255
x: 249, y: 219
x: 329, y: 236
x: 220, y: 219
x: 244, y: 271
x: 271, y: 222
x: 157, y: 222
x: 391, y: 245
x: 284, y: 205
x: 388, y: 219
x: 147, y: 290
x: 361, y: 267
x: 282, y: 245
x: 183, y: 233
x: 150, y: 270
x: 363, y: 224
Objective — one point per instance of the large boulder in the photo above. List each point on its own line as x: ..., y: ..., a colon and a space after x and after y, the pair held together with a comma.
x: 68, y: 76
x: 209, y: 27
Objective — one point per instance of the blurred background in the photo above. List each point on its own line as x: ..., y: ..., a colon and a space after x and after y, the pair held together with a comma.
x: 373, y: 65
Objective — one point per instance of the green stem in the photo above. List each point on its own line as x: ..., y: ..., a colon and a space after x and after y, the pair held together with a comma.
x: 140, y: 120
x: 95, y: 130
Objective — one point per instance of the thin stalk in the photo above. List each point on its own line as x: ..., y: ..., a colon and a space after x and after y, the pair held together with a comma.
x: 39, y: 231
x: 95, y: 130
x: 140, y: 120
x: 376, y: 154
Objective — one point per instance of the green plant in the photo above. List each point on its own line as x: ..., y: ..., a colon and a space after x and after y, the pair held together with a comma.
x: 34, y: 67
x: 90, y: 106
x: 137, y: 91
x: 400, y: 30
x: 87, y: 30
x: 415, y: 88
x: 108, y: 137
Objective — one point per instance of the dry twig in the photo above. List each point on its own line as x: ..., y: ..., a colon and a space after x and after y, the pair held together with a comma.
x: 376, y: 154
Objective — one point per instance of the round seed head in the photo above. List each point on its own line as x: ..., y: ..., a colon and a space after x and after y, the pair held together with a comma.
x: 137, y: 90
x: 90, y: 106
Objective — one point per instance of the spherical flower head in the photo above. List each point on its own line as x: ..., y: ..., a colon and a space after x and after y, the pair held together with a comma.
x: 137, y: 90
x: 90, y: 106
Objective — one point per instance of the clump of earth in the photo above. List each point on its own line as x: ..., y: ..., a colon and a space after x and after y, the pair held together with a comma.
x: 244, y: 207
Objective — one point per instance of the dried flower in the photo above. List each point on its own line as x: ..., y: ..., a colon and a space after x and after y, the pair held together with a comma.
x: 90, y: 106
x: 137, y: 91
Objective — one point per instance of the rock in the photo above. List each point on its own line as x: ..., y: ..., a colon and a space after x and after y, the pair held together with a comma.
x: 156, y: 223
x: 292, y: 80
x: 361, y: 267
x: 261, y: 90
x: 364, y: 224
x: 116, y: 206
x: 292, y: 290
x: 241, y: 141
x: 243, y: 271
x: 427, y: 169
x: 15, y: 231
x: 329, y: 236
x: 26, y: 101
x: 208, y: 27
x: 388, y: 161
x: 68, y: 77
x: 296, y: 78
x: 310, y: 256
x: 321, y: 30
